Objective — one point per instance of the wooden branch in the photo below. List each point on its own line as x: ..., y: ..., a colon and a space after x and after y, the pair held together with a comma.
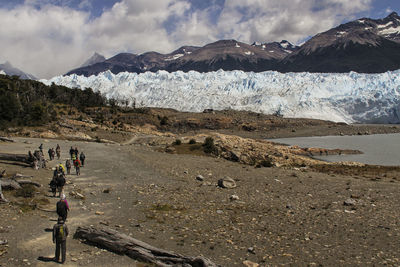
x: 23, y: 182
x: 9, y: 184
x: 5, y: 139
x: 16, y: 157
x: 136, y: 249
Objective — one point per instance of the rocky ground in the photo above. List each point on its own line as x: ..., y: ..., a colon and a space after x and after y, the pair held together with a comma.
x: 288, y: 215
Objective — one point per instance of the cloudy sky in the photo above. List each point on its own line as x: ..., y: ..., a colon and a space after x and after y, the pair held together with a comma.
x: 50, y: 37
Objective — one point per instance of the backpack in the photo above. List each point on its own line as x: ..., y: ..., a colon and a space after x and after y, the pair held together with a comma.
x: 61, y: 231
x: 60, y: 180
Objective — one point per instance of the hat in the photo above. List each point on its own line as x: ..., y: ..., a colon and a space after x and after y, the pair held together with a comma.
x: 63, y: 196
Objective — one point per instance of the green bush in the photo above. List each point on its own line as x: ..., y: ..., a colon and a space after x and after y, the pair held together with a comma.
x: 192, y: 142
x: 208, y: 145
x: 178, y: 142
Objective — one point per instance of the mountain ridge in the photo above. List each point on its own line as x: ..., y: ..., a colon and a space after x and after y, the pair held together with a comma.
x: 364, y: 45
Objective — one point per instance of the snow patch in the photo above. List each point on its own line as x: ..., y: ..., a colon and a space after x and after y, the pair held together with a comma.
x: 248, y: 53
x: 237, y: 45
x: 348, y: 97
x: 285, y: 45
x: 174, y: 57
x: 385, y: 26
x: 288, y: 51
x: 390, y: 31
x: 2, y: 72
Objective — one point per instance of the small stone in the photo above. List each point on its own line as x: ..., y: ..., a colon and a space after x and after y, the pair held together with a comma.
x: 219, y: 212
x: 107, y: 190
x: 227, y: 182
x: 99, y: 213
x: 74, y: 259
x: 185, y: 172
x: 251, y: 250
x: 248, y: 263
x: 234, y: 197
x: 199, y: 178
x: 349, y: 202
x: 289, y: 206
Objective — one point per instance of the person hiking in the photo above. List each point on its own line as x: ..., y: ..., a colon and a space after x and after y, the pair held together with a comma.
x: 49, y: 151
x: 77, y: 165
x: 68, y: 165
x: 53, y: 182
x: 62, y: 207
x: 53, y: 153
x: 82, y: 157
x: 60, y: 181
x: 41, y: 148
x: 60, y: 233
x: 76, y: 152
x: 71, y: 152
x: 58, y: 151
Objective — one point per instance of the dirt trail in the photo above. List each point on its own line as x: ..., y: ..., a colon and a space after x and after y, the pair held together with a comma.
x: 283, y: 216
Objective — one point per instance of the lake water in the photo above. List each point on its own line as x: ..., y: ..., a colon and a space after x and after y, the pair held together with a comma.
x: 379, y: 149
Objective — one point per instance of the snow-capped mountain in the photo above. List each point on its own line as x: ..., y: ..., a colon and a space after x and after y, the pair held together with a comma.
x: 96, y: 58
x: 9, y: 69
x: 364, y: 45
x: 350, y: 97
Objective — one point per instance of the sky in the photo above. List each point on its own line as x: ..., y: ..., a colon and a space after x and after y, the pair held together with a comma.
x: 50, y: 37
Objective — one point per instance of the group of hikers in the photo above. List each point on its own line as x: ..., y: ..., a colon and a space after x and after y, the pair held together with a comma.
x: 60, y: 229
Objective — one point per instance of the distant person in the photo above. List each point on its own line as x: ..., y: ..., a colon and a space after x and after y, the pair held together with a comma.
x: 71, y: 152
x: 49, y: 151
x: 41, y: 148
x: 62, y: 207
x: 77, y: 165
x: 60, y: 181
x: 68, y: 165
x: 82, y: 157
x: 53, y: 153
x: 53, y: 182
x: 58, y: 151
x: 76, y: 152
x: 60, y: 233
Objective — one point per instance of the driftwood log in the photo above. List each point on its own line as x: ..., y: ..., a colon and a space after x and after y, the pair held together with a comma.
x: 136, y: 249
x: 5, y: 139
x: 12, y: 184
x: 16, y: 157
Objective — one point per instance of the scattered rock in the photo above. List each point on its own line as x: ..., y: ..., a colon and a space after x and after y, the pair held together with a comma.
x: 227, y: 182
x: 219, y: 212
x: 349, y: 202
x: 99, y: 213
x: 251, y: 250
x: 234, y: 197
x: 76, y: 195
x: 200, y: 178
x: 170, y: 149
x: 248, y: 263
x: 74, y: 259
x: 107, y: 190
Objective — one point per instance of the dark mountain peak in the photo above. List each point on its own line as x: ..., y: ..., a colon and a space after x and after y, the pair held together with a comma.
x: 96, y: 58
x: 9, y: 69
x: 393, y: 15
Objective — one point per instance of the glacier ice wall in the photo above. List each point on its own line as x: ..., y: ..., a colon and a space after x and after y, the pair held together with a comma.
x: 349, y: 97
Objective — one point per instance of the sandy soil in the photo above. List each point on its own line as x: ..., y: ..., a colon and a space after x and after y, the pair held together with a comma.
x: 282, y: 216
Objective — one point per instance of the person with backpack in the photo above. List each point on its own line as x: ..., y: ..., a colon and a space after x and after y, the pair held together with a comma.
x: 71, y: 152
x: 50, y: 153
x: 60, y: 181
x: 82, y: 157
x: 62, y: 207
x: 60, y: 233
x: 58, y: 151
x: 77, y: 165
x: 53, y: 182
x: 68, y: 165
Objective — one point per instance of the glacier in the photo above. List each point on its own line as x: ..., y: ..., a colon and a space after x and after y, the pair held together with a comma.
x: 340, y: 97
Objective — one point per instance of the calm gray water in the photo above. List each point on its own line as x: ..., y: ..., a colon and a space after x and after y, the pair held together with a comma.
x: 379, y: 149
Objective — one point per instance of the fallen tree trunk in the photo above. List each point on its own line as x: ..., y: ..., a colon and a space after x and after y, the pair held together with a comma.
x: 10, y: 184
x: 16, y: 157
x: 136, y: 249
x: 5, y: 139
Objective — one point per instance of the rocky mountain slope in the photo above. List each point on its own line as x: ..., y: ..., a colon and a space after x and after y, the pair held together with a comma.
x: 8, y: 69
x: 364, y: 45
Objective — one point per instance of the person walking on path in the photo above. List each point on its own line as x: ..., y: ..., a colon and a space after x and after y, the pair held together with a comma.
x: 41, y: 148
x: 50, y: 153
x: 60, y: 181
x: 62, y: 207
x: 71, y: 152
x: 76, y: 152
x: 68, y: 165
x: 58, y: 151
x: 82, y: 157
x: 60, y: 233
x: 77, y: 165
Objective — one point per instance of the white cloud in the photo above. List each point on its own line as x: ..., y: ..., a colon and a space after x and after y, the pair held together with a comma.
x: 51, y: 40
